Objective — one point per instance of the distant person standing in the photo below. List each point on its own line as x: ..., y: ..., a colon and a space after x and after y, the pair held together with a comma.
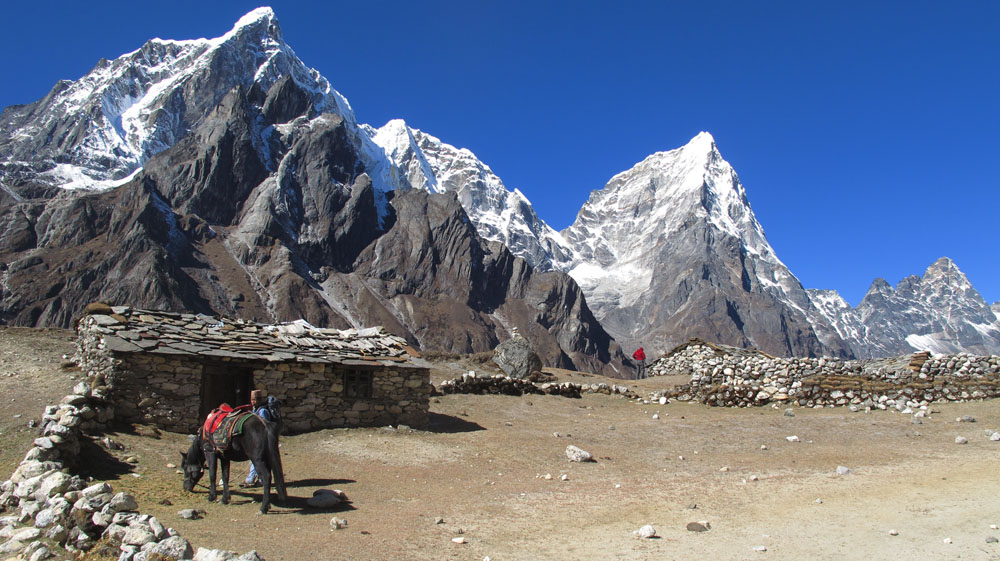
x: 640, y: 363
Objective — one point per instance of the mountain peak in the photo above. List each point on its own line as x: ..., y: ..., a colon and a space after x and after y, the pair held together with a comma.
x: 259, y: 22
x: 704, y: 139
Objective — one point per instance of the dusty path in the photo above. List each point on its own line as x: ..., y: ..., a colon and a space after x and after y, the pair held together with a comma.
x: 482, y: 466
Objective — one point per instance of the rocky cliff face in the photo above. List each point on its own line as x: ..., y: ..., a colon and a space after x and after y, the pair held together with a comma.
x: 271, y: 208
x: 499, y: 214
x: 939, y: 312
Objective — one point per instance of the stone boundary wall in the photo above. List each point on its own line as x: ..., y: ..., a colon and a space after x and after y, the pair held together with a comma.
x: 726, y: 376
x: 164, y: 390
x: 44, y: 507
x: 483, y: 384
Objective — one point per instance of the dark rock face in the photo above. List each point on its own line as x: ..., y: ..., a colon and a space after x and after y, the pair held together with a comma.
x: 267, y: 215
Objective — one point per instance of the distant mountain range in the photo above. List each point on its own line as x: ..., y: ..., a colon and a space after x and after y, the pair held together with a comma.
x: 225, y: 176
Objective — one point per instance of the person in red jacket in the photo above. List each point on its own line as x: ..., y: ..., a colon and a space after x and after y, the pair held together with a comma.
x: 640, y: 363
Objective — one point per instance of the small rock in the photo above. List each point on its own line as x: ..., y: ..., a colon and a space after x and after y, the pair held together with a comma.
x: 754, y: 477
x: 841, y: 470
x: 646, y: 532
x: 696, y: 527
x: 439, y: 520
x: 763, y: 446
x: 992, y: 539
x: 893, y: 532
x: 947, y: 540
x: 995, y: 437
x: 189, y: 514
x: 759, y: 548
x: 337, y: 523
x: 792, y: 438
x: 458, y: 540
x: 564, y: 477
x: 819, y: 501
x: 576, y: 454
x: 966, y: 419
x: 961, y: 440
x: 656, y: 416
x: 724, y: 468
x: 789, y: 412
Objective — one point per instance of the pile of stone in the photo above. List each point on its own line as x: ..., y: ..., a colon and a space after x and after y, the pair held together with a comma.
x: 43, y: 505
x: 732, y: 377
x: 483, y: 384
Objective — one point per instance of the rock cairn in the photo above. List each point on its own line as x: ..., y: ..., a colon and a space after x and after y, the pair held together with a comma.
x: 478, y: 383
x: 44, y: 505
x: 733, y: 377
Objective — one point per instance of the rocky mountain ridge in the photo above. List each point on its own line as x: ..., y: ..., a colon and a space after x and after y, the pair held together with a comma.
x: 273, y: 209
x: 939, y: 311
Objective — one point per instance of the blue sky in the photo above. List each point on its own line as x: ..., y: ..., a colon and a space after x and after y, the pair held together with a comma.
x: 866, y: 133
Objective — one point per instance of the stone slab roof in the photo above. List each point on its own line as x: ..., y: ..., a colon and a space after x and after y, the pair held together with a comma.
x: 128, y: 330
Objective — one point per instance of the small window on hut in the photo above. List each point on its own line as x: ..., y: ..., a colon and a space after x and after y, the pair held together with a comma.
x: 357, y: 384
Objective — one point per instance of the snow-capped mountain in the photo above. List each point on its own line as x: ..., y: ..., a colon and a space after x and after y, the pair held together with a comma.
x: 670, y: 249
x: 939, y: 312
x: 223, y: 176
x: 95, y: 132
x: 498, y: 213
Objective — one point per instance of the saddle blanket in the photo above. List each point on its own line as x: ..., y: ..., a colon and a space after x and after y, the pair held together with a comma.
x: 225, y: 422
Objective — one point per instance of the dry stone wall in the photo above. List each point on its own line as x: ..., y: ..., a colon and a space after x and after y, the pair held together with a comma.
x: 46, y: 510
x: 727, y: 376
x: 478, y: 383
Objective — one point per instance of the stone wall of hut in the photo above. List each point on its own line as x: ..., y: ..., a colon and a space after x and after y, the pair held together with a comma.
x: 164, y: 390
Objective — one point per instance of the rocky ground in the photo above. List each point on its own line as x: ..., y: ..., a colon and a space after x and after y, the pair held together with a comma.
x: 492, y: 471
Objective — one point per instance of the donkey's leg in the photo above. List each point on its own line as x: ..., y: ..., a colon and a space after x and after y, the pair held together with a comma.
x: 225, y: 480
x: 264, y: 475
x: 210, y: 457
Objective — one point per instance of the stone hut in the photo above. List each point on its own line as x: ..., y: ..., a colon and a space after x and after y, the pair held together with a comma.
x: 171, y: 369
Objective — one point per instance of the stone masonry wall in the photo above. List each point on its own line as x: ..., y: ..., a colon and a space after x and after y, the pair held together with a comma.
x: 165, y: 391
x: 739, y: 377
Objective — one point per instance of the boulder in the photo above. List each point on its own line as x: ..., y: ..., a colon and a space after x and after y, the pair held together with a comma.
x: 517, y: 358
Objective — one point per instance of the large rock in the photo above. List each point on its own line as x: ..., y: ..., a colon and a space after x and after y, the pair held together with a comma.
x: 516, y: 357
x: 174, y: 547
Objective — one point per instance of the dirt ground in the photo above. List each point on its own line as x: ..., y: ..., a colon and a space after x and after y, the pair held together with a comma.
x: 482, y: 470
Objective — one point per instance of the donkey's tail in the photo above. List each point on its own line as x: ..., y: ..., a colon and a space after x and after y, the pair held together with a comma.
x: 274, y: 461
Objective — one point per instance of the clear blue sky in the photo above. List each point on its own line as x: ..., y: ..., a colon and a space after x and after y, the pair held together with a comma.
x: 866, y: 133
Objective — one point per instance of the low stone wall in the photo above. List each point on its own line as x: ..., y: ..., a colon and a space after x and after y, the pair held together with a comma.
x: 43, y: 506
x: 728, y: 376
x: 484, y: 384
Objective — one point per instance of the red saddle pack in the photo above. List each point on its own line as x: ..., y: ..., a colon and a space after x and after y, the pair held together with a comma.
x: 223, y: 422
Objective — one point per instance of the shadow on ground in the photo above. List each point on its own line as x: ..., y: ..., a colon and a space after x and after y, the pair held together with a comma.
x: 450, y: 424
x: 317, y: 482
x: 96, y: 462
